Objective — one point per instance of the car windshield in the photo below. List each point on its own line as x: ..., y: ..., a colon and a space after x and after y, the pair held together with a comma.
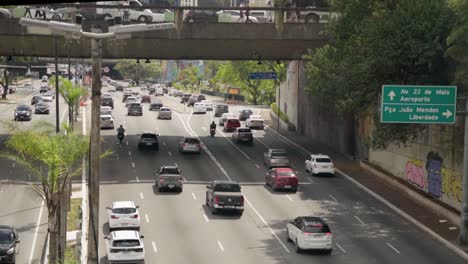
x: 221, y: 106
x: 106, y: 118
x: 41, y: 105
x: 247, y: 112
x: 323, y: 160
x: 107, y: 99
x: 316, y: 228
x: 137, y: 105
x: 148, y: 135
x: 6, y: 237
x: 279, y: 154
x: 128, y: 210
x: 286, y: 173
x: 192, y: 141
x: 165, y: 110
x: 126, y: 243
x: 245, y: 130
x: 227, y: 187
x: 234, y: 121
x: 22, y: 108
x: 170, y: 171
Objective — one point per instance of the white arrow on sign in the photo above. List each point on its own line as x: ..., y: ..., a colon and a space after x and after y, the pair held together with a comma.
x: 391, y: 94
x: 447, y: 113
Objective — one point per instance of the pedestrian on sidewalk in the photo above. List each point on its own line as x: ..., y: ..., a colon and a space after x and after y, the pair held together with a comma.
x: 241, y: 12
x: 269, y: 12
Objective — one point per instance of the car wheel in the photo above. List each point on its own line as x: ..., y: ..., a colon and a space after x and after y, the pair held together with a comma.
x: 206, y: 201
x: 160, y: 189
x: 294, y: 190
x: 328, y: 251
x: 274, y: 188
x: 287, y: 236
x: 240, y: 212
x: 312, y: 18
x: 142, y: 19
x: 298, y: 249
x: 214, y: 210
x: 180, y: 189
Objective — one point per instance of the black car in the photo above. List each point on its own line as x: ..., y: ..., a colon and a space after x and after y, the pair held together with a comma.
x: 43, y: 89
x: 151, y: 90
x: 41, y: 108
x: 23, y: 112
x: 119, y: 88
x: 201, y: 97
x: 192, y: 100
x: 201, y: 16
x: 245, y: 114
x: 36, y: 99
x: 107, y: 102
x: 8, y: 244
x: 148, y: 139
x: 185, y: 97
x: 155, y: 105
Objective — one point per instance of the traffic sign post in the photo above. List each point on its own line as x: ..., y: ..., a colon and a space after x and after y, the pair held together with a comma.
x: 418, y: 104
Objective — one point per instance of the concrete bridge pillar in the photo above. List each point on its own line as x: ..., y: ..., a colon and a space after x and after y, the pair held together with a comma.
x: 179, y: 20
x: 279, y: 20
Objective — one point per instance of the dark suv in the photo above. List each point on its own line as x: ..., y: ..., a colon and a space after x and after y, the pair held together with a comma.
x: 185, y: 97
x: 107, y: 102
x: 8, y: 244
x: 201, y: 16
x: 191, y: 101
x: 245, y: 114
x: 220, y: 110
x: 23, y: 112
x: 36, y: 99
x: 148, y: 139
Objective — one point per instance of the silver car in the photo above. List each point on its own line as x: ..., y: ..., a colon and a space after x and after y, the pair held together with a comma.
x: 165, y: 113
x: 276, y: 158
x: 169, y: 178
x: 107, y: 121
x: 190, y: 144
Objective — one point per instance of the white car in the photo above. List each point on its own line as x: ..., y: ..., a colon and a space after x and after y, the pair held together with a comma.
x: 125, y: 246
x: 136, y: 12
x: 127, y: 92
x: 319, y: 163
x: 107, y: 121
x: 309, y: 232
x: 199, y: 108
x: 165, y: 113
x: 208, y: 105
x: 47, y: 97
x: 106, y: 110
x: 123, y: 214
x: 225, y: 117
x: 106, y: 95
x: 233, y: 16
x: 254, y: 121
x: 111, y: 89
x: 28, y: 83
x: 131, y: 99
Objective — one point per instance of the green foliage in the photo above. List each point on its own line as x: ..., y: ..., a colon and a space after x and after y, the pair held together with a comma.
x: 282, y: 115
x: 73, y: 216
x: 70, y: 255
x: 458, y: 39
x: 130, y: 69
x: 377, y: 42
x: 190, y: 77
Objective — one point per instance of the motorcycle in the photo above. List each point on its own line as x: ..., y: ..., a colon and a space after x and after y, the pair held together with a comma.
x: 212, y: 131
x: 120, y: 136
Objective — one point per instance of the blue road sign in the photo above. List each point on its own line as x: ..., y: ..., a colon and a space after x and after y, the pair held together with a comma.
x: 262, y: 75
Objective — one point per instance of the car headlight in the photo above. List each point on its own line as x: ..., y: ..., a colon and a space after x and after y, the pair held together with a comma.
x: 16, y: 114
x: 11, y: 251
x: 27, y: 114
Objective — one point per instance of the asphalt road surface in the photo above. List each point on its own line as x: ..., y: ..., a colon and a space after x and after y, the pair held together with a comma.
x: 178, y: 228
x: 21, y: 206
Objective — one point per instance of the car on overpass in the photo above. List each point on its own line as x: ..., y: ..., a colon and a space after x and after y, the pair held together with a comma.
x: 233, y: 16
x: 310, y: 233
x: 201, y: 16
x: 132, y: 10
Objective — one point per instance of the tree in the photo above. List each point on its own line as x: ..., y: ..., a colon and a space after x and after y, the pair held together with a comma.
x: 71, y: 94
x: 458, y: 39
x: 377, y: 42
x: 5, y: 82
x: 190, y: 76
x: 138, y: 71
x: 51, y: 158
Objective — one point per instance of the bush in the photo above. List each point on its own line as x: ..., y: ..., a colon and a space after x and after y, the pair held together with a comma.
x: 70, y: 255
x: 282, y: 115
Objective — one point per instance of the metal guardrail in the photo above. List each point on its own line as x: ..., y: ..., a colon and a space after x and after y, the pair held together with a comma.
x: 226, y: 96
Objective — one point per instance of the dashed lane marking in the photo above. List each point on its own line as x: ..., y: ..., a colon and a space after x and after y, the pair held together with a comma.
x: 206, y: 218
x: 289, y: 197
x: 170, y: 154
x: 340, y: 247
x: 137, y: 179
x: 442, y: 221
x: 392, y: 247
x: 256, y: 165
x: 129, y: 153
x: 453, y: 228
x: 147, y: 218
x: 194, y: 197
x: 155, y: 249
x: 133, y: 165
x: 220, y: 245
x: 360, y: 221
x: 141, y: 196
x: 333, y: 198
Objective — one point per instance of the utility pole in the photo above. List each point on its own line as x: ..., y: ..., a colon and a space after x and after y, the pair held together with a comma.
x: 279, y: 105
x: 57, y: 117
x: 464, y: 211
x: 95, y: 147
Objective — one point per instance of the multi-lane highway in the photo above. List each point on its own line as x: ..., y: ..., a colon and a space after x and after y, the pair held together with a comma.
x: 21, y: 207
x: 179, y: 228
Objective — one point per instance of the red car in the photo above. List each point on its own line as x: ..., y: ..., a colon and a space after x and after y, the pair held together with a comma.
x: 146, y: 99
x: 282, y: 178
x: 231, y: 124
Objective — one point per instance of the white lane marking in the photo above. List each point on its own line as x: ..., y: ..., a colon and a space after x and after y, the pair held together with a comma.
x: 256, y: 165
x: 266, y: 224
x: 38, y: 222
x: 232, y: 143
x: 137, y: 179
x: 359, y: 219
x: 206, y: 218
x: 129, y: 153
x: 126, y: 143
x: 141, y: 196
x: 392, y: 247
x: 333, y: 198
x: 147, y: 218
x: 220, y: 245
x: 164, y: 143
x: 453, y: 228
x: 340, y: 247
x: 170, y: 154
x: 229, y: 178
x: 203, y: 128
x: 310, y: 180
x: 442, y: 221
x: 194, y: 197
x: 175, y: 163
x: 155, y: 249
x: 263, y: 143
x: 289, y: 197
x: 133, y: 165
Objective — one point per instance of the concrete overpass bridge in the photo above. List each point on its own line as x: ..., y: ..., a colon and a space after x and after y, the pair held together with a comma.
x: 216, y: 41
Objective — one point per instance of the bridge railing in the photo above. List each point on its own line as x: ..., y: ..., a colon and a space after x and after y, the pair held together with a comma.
x: 183, y: 14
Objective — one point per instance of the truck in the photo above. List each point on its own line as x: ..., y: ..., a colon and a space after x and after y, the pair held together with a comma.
x: 224, y: 196
x: 131, y: 10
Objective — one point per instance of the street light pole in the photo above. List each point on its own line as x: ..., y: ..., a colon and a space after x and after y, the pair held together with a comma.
x: 94, y: 157
x: 57, y: 118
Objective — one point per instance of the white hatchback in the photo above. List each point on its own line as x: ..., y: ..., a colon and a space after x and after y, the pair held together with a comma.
x: 107, y: 121
x: 254, y: 121
x: 208, y: 105
x: 319, y: 163
x: 123, y: 214
x: 106, y: 110
x: 125, y: 246
x: 310, y: 232
x: 199, y: 108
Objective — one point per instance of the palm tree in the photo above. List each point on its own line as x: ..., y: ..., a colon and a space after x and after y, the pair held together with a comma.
x: 71, y: 94
x: 51, y: 158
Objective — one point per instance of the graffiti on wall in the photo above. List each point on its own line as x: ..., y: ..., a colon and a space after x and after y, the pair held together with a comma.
x: 430, y: 176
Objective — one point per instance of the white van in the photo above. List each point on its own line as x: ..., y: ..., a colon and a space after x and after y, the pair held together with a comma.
x: 134, y: 9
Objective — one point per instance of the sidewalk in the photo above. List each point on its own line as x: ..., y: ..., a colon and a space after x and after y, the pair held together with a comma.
x: 432, y: 220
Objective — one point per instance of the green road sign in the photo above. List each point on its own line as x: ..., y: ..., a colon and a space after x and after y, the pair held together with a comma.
x: 418, y: 104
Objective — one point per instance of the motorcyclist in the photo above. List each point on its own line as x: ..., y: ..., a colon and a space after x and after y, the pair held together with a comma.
x: 213, y: 125
x: 120, y: 133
